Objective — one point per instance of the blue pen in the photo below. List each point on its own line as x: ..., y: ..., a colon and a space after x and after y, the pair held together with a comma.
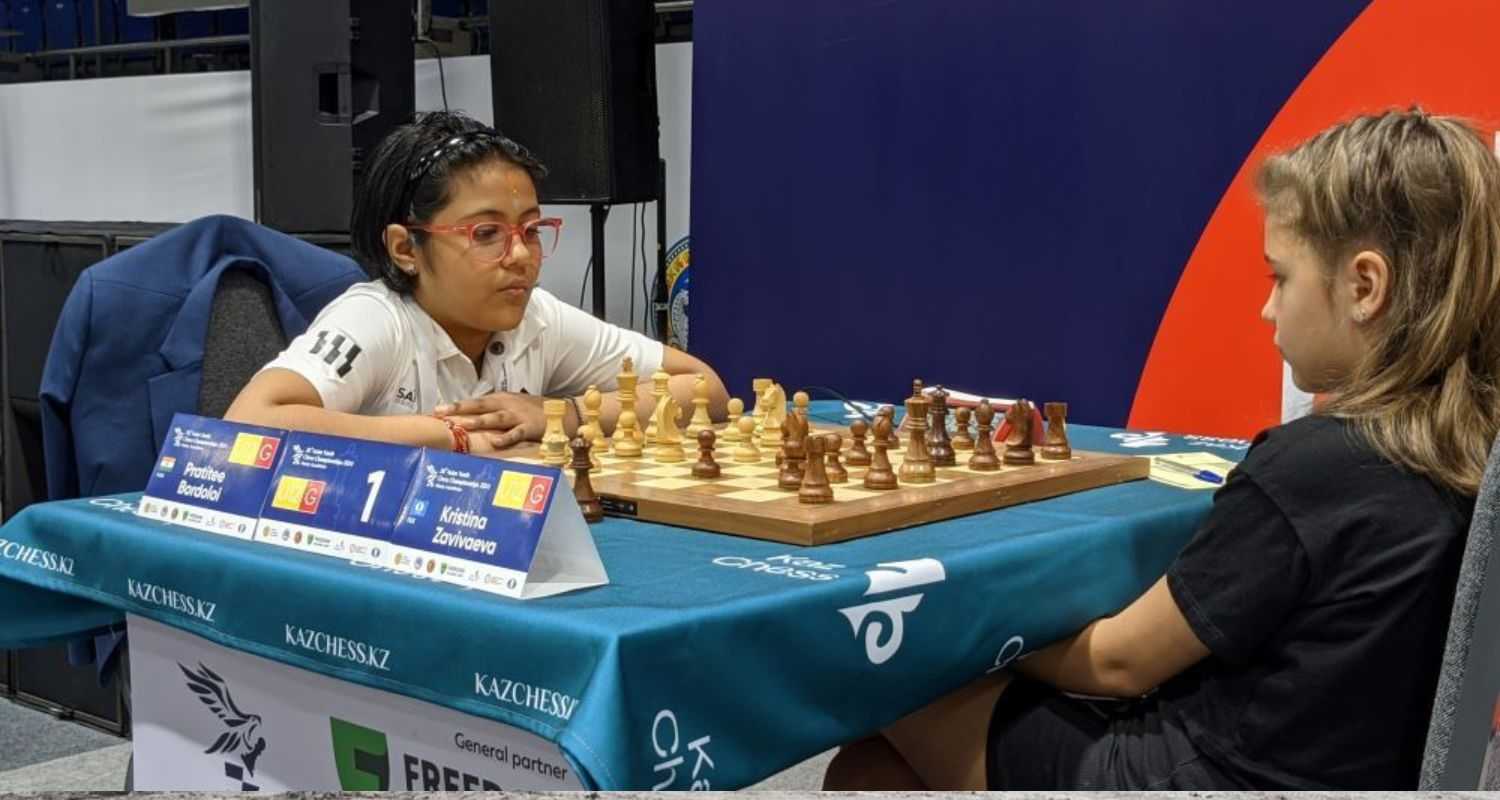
x: 1200, y: 474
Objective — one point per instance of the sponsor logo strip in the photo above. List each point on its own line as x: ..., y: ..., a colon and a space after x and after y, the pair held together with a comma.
x: 220, y: 522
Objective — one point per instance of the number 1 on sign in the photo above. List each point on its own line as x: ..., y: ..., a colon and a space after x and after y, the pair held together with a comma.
x: 374, y: 479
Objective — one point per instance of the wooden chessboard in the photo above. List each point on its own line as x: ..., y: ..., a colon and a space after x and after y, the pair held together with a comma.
x: 746, y: 501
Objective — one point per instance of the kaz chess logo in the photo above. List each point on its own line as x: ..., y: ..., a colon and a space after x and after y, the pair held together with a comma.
x: 673, y: 748
x: 241, y: 742
x: 1139, y: 439
x: 887, y: 578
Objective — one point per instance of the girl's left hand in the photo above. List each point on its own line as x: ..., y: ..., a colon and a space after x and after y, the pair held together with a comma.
x: 514, y: 417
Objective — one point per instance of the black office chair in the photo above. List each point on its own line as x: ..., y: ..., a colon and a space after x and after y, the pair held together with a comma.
x: 1469, y: 684
x: 243, y: 335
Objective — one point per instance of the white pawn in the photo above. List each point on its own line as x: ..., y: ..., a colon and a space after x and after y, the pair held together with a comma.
x: 731, y: 434
x: 745, y: 452
x: 701, y: 421
x: 592, y: 400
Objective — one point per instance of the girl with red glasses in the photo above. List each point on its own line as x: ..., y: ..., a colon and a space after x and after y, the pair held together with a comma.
x: 455, y: 344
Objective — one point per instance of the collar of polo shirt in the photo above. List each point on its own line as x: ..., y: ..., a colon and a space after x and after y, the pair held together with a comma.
x: 512, y: 342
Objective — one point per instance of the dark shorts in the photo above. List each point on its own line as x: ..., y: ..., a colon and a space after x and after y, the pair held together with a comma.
x: 1040, y: 739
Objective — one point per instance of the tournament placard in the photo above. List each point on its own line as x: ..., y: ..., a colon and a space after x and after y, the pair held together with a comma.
x: 337, y: 497
x: 497, y: 526
x: 212, y: 475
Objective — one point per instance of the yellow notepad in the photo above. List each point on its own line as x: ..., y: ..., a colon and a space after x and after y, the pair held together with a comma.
x: 1190, y: 470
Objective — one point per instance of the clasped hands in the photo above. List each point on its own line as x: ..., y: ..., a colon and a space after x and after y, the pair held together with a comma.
x: 499, y: 420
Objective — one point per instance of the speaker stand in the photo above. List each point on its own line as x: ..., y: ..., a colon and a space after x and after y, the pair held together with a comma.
x: 597, y: 214
x: 659, y: 296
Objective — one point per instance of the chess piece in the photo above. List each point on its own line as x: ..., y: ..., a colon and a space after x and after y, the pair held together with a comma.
x: 774, y: 405
x: 659, y: 390
x: 801, y: 402
x: 879, y: 476
x: 916, y: 391
x: 892, y: 440
x: 984, y: 459
x: 701, y: 421
x: 592, y: 400
x: 668, y: 435
x: 589, y: 434
x: 962, y: 439
x: 554, y: 441
x: 834, y: 446
x: 731, y: 433
x: 793, y: 450
x: 1018, y: 444
x: 813, y: 482
x: 1055, y: 444
x: 858, y: 455
x: 759, y: 386
x: 745, y: 452
x: 938, y: 447
x: 583, y: 489
x: 627, y: 440
x: 706, y: 468
x: 917, y: 466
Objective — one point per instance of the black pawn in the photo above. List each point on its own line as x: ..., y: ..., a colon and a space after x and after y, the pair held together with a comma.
x: 706, y: 468
x: 583, y: 490
x: 858, y: 456
x: 880, y: 475
x: 834, y: 445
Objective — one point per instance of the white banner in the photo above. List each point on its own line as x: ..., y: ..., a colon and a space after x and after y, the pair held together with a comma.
x: 208, y: 718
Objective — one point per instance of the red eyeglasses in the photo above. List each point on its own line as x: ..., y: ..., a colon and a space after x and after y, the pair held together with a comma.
x: 490, y: 242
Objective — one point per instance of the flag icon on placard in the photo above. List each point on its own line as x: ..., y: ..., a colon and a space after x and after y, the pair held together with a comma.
x: 523, y: 491
x: 253, y: 450
x: 536, y: 494
x: 298, y: 494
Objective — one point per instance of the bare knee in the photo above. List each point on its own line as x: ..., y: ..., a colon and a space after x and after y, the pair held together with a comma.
x: 869, y: 765
x: 947, y: 743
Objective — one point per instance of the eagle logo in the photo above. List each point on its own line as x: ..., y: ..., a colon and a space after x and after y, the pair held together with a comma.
x: 243, y: 738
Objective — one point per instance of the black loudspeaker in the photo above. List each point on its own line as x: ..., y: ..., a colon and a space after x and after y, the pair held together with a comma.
x: 329, y: 79
x: 37, y: 270
x: 44, y: 678
x: 575, y: 82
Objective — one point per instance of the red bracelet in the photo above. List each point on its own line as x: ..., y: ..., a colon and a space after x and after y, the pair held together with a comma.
x: 460, y: 436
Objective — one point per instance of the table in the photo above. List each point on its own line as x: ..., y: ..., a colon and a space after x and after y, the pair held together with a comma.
x: 709, y: 660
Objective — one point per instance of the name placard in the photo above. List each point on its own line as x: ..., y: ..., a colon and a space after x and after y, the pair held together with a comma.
x: 338, y: 497
x: 212, y: 475
x: 497, y: 526
x: 508, y: 528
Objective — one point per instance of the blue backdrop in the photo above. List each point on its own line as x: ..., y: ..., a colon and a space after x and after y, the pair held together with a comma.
x: 995, y: 195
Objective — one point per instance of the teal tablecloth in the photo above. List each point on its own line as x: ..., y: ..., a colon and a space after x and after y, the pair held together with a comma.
x: 709, y: 660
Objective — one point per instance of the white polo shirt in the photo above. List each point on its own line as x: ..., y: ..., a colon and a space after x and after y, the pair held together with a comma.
x: 374, y: 351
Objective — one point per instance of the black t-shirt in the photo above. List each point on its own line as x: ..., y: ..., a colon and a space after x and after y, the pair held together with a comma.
x: 1321, y: 582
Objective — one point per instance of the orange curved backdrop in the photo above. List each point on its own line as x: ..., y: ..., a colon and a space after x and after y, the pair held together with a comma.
x: 1212, y: 367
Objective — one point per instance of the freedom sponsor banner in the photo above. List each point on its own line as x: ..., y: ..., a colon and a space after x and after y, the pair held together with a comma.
x: 209, y: 718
